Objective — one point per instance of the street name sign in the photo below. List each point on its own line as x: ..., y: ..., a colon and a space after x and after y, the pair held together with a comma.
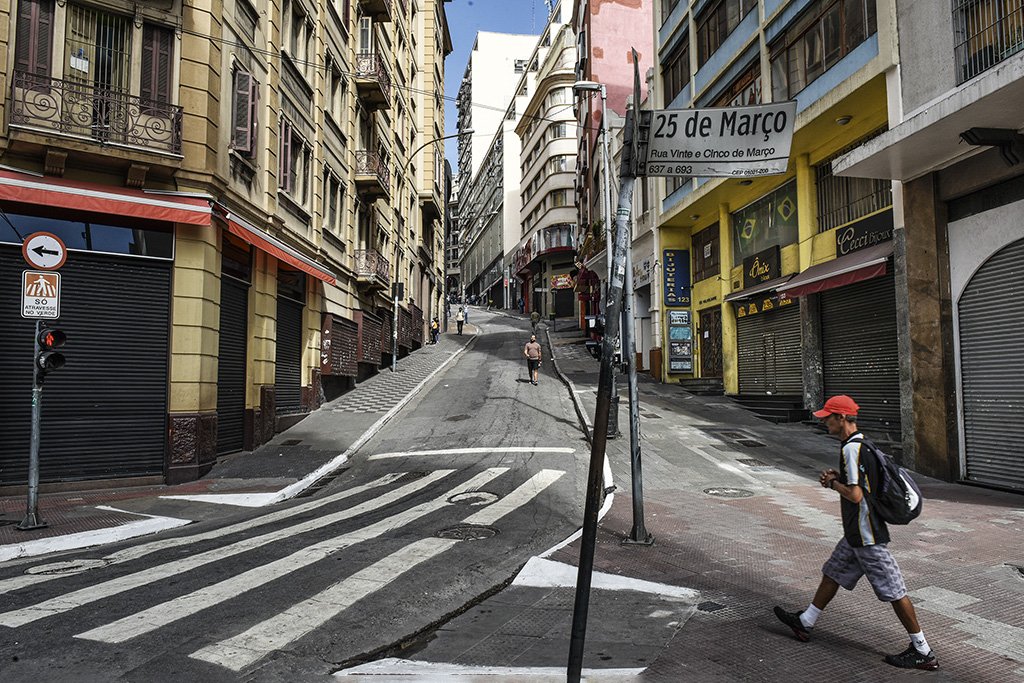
x: 731, y: 142
x: 44, y: 250
x: 40, y: 294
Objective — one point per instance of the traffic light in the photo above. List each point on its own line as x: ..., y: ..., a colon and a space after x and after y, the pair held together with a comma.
x: 50, y: 338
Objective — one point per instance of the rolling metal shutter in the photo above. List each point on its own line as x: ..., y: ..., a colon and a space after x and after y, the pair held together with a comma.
x: 288, y: 376
x: 231, y: 370
x: 105, y: 412
x: 992, y: 368
x: 769, y: 355
x: 860, y: 353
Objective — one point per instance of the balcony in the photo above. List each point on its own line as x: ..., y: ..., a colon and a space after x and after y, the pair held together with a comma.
x: 432, y: 206
x: 989, y: 32
x: 373, y: 272
x: 372, y: 176
x: 52, y: 106
x: 372, y: 81
x: 379, y: 10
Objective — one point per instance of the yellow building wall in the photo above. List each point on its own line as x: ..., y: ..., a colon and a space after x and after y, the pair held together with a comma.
x: 262, y: 326
x: 195, y: 320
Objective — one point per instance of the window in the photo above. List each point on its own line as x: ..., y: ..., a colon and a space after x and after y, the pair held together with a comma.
x: 338, y: 91
x: 557, y: 130
x: 99, y: 49
x: 985, y: 33
x: 334, y: 202
x: 520, y: 66
x: 743, y: 91
x: 715, y: 24
x: 666, y: 9
x: 295, y: 158
x: 157, y: 48
x: 826, y: 33
x: 34, y: 37
x: 244, y: 96
x: 842, y: 200
x: 705, y: 253
x: 770, y: 220
x: 677, y: 70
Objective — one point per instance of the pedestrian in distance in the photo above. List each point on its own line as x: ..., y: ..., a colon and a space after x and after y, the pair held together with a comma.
x: 532, y: 351
x: 534, y: 319
x: 863, y: 549
x: 460, y: 319
x: 435, y: 330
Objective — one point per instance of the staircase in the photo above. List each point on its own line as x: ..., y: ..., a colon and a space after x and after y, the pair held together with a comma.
x: 774, y: 408
x: 703, y: 386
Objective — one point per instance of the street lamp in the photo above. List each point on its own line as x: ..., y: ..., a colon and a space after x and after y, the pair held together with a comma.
x: 593, y: 86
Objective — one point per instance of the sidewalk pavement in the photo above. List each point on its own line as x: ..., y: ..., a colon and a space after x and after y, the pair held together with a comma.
x: 302, y: 457
x: 740, y: 524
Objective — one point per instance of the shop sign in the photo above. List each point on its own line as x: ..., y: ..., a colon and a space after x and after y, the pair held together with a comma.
x: 562, y: 281
x: 762, y: 305
x: 676, y: 267
x: 680, y: 345
x: 864, y: 233
x: 763, y: 266
x: 720, y: 142
x: 642, y: 272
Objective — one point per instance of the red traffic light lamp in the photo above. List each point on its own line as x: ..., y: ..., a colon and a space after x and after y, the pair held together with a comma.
x: 49, y: 339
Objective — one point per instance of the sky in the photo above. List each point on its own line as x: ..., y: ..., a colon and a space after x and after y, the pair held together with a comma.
x: 465, y: 18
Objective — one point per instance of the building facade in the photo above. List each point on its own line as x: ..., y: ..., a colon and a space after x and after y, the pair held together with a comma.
x: 239, y: 187
x: 955, y: 149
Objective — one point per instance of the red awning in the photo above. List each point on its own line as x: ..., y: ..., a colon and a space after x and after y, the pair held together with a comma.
x: 69, y: 194
x: 277, y: 248
x: 845, y: 270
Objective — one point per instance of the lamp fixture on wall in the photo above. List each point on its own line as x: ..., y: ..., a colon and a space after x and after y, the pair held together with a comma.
x: 843, y: 120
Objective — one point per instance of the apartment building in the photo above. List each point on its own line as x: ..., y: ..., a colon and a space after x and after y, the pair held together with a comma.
x: 540, y: 257
x: 239, y: 186
x: 488, y: 159
x: 787, y: 289
x: 604, y: 57
x: 955, y: 148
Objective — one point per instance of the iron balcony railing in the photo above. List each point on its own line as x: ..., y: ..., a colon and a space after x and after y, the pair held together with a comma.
x: 103, y: 115
x: 372, y: 163
x: 372, y: 267
x: 370, y: 66
x: 986, y: 33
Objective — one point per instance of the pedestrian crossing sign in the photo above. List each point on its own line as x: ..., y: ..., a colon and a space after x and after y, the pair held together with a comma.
x: 40, y: 294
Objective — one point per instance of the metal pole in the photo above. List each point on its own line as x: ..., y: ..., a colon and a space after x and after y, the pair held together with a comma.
x: 597, y: 451
x: 638, y: 535
x: 32, y: 520
x: 394, y: 329
x: 613, y: 420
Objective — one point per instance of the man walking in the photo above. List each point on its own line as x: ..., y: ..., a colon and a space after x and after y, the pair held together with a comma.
x: 460, y: 319
x: 862, y: 551
x: 532, y: 352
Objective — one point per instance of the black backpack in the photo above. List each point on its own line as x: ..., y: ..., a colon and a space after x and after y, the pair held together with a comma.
x: 896, y: 498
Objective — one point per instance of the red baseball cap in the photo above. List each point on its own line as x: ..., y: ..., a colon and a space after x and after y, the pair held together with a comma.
x: 838, y: 405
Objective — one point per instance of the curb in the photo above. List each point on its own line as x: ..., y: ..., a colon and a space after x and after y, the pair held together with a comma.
x: 581, y: 413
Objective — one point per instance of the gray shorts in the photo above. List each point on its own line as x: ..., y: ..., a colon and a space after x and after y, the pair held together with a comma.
x: 848, y: 564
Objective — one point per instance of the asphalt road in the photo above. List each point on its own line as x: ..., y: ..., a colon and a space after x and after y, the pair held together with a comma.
x: 479, y: 472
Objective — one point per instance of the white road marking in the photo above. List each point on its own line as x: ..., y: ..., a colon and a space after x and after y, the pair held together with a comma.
x: 84, y: 596
x: 297, y: 621
x: 135, y: 552
x: 431, y: 671
x: 168, y: 612
x: 468, y: 451
x: 541, y: 573
x: 238, y: 652
x: 42, y: 546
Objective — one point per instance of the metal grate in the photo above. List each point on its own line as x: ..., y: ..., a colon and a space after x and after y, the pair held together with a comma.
x: 842, y: 200
x: 986, y: 32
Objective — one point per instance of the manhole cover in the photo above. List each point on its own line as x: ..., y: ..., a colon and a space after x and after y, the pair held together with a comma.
x: 652, y: 416
x: 468, y: 532
x: 69, y: 567
x: 728, y: 492
x: 709, y: 606
x: 456, y: 418
x: 291, y: 442
x: 750, y: 443
x: 752, y: 462
x: 474, y: 498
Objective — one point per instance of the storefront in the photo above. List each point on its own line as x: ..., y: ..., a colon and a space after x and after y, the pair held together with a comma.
x: 986, y: 253
x: 768, y: 347
x: 233, y: 343
x: 291, y: 296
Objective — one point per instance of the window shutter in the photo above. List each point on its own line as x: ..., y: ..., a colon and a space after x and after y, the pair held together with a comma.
x: 241, y: 112
x: 254, y: 102
x: 285, y: 162
x: 156, y: 64
x: 34, y: 36
x: 148, y: 64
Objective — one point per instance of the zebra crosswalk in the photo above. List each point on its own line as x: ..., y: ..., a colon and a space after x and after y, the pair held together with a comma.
x: 386, y: 507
